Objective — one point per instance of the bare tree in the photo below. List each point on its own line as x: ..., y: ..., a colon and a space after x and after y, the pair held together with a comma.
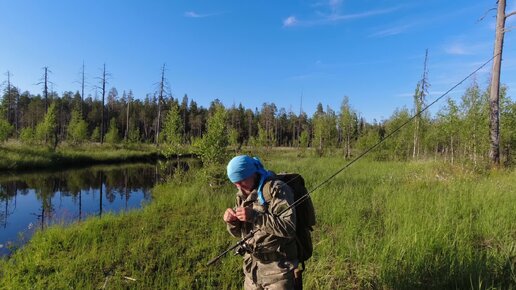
x: 9, y: 102
x: 494, y: 95
x: 82, y: 89
x: 45, y: 83
x: 162, y: 92
x: 419, y: 102
x: 102, y: 87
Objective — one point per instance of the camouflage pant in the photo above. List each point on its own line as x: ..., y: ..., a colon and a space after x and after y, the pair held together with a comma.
x: 268, y: 275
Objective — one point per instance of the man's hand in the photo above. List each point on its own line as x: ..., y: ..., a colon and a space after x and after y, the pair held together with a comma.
x: 245, y: 214
x: 230, y: 216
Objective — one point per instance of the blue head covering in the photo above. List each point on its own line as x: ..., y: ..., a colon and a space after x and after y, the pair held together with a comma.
x: 243, y: 166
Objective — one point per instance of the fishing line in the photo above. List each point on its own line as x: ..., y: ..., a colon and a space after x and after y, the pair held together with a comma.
x: 307, y: 195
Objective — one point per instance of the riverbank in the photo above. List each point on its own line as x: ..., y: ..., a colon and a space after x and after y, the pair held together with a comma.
x: 388, y: 225
x: 18, y: 157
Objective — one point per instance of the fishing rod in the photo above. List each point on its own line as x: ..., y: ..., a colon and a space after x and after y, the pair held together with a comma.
x: 307, y: 195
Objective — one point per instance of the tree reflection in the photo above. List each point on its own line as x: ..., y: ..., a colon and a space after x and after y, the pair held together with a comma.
x: 101, y: 186
x: 7, y: 206
x: 50, y: 197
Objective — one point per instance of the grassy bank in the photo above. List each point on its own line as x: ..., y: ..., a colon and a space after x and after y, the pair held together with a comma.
x: 380, y: 225
x: 15, y: 156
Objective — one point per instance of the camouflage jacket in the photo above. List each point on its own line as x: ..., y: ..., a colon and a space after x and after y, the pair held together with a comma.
x: 276, y: 236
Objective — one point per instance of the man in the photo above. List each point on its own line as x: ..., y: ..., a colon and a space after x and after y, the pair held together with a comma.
x: 270, y: 256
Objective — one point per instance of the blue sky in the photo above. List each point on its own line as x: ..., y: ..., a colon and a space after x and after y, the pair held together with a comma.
x: 252, y: 52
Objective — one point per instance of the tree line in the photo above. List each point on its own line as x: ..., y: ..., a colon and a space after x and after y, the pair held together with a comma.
x: 458, y: 132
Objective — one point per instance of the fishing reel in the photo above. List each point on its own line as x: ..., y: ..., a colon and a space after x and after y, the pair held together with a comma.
x: 242, y: 249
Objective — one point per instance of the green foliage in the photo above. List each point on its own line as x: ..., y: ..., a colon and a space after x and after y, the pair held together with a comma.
x: 448, y: 127
x: 95, y: 135
x: 112, y: 135
x: 27, y: 135
x: 370, y: 137
x: 77, y: 128
x: 325, y: 130
x: 262, y: 140
x: 5, y: 129
x: 215, y: 141
x: 304, y: 139
x: 17, y: 156
x: 457, y: 134
x: 134, y: 136
x: 400, y: 144
x: 381, y: 225
x: 46, y: 130
x: 348, y: 125
x: 475, y: 129
x: 172, y: 132
x: 507, y: 127
x: 233, y: 137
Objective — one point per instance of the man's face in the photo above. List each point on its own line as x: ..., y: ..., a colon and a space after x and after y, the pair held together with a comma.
x: 246, y: 185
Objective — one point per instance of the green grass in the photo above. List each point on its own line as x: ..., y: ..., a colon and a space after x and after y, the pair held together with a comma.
x: 391, y: 225
x: 16, y: 156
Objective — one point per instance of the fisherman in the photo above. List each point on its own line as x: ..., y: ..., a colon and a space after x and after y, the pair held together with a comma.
x: 270, y: 256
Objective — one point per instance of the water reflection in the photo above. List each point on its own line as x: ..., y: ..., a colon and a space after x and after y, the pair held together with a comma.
x: 37, y: 200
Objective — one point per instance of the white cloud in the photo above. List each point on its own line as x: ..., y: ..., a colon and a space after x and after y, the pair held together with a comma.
x: 335, y: 5
x: 193, y: 14
x: 290, y: 21
x: 339, y: 17
x: 457, y: 49
x: 460, y: 47
x: 335, y: 16
x: 391, y: 31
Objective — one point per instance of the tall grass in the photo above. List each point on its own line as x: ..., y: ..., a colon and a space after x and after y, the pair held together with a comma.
x: 411, y: 225
x: 380, y: 225
x: 17, y: 156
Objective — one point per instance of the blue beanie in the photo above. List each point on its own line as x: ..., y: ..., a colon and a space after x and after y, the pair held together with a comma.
x: 241, y: 167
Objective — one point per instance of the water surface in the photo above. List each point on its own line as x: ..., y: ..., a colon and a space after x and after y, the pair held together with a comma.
x: 37, y: 200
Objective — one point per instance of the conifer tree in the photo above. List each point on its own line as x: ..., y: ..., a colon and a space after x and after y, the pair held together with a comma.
x: 214, y: 142
x: 172, y: 131
x: 5, y: 128
x: 77, y: 128
x: 112, y: 135
x: 46, y: 130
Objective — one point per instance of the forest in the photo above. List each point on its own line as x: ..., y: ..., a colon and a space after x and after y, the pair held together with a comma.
x: 458, y: 132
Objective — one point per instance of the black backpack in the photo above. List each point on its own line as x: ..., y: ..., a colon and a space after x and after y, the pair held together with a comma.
x: 305, y: 212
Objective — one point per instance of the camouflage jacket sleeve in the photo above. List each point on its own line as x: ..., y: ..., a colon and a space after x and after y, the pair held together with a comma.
x: 271, y: 222
x: 235, y: 228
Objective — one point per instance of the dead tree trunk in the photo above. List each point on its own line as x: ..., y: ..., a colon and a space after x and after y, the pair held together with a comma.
x: 494, y: 96
x: 82, y: 91
x: 160, y: 98
x: 9, y: 103
x: 45, y: 82
x: 45, y: 91
x: 102, y: 122
x: 419, y: 100
x: 126, y: 135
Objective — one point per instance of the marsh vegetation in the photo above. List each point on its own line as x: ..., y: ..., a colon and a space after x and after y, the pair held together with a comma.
x: 393, y: 225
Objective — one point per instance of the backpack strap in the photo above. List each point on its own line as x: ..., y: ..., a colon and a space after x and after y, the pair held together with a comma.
x: 261, y: 198
x: 264, y: 175
x: 265, y: 196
